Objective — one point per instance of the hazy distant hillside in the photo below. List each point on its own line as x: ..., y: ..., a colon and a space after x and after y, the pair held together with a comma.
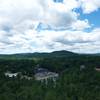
x: 61, y: 53
x: 36, y: 55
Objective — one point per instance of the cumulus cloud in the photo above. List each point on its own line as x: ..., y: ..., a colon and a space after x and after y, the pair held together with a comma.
x: 81, y: 25
x: 89, y: 6
x: 76, y: 41
x: 52, y: 14
x: 44, y: 25
x: 32, y: 41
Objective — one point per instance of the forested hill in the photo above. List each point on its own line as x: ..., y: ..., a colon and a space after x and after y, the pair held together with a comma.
x: 78, y: 78
x: 62, y: 53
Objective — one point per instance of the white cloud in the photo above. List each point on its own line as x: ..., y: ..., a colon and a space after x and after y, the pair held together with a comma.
x: 71, y: 4
x: 89, y: 6
x: 56, y: 15
x: 81, y: 25
x: 32, y: 41
x: 19, y: 32
x: 76, y: 41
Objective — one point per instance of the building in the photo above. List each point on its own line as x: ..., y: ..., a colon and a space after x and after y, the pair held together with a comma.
x: 26, y: 77
x: 9, y: 74
x: 82, y: 67
x: 44, y: 74
x: 97, y: 68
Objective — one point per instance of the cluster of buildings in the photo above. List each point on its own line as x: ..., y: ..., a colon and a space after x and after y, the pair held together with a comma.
x: 45, y: 74
x: 40, y: 74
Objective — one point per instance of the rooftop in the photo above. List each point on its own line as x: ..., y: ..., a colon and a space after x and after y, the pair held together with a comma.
x: 42, y: 73
x: 9, y: 74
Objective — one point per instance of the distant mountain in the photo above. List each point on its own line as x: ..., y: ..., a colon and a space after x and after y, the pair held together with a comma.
x: 62, y: 53
x: 52, y: 54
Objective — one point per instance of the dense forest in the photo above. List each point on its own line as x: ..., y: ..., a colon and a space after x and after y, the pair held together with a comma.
x: 73, y: 83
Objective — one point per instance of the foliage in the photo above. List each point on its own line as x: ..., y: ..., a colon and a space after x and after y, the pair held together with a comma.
x: 72, y: 84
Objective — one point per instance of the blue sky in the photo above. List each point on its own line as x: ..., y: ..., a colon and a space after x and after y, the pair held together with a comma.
x: 92, y: 17
x: 49, y: 25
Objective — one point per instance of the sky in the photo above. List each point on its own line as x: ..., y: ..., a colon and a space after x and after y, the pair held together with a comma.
x: 28, y: 26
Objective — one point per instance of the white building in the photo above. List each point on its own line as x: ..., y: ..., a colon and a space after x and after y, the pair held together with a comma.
x: 82, y: 67
x: 97, y: 69
x: 9, y: 74
x: 44, y: 74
